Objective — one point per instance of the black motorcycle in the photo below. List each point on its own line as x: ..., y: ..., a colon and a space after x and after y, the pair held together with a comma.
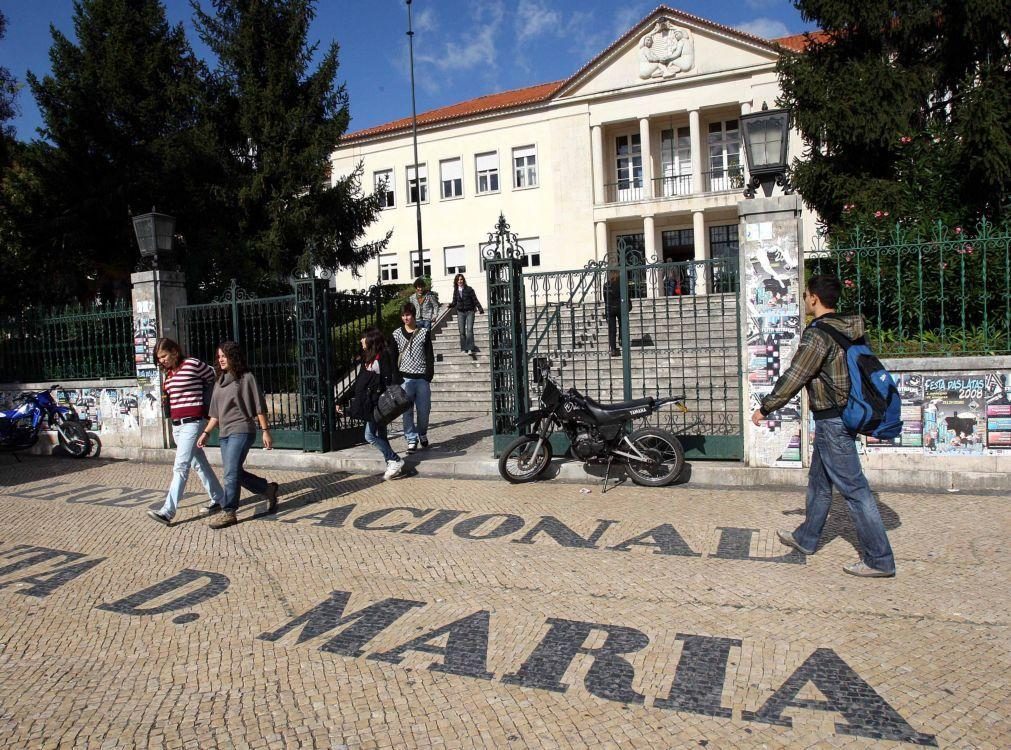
x: 597, y: 433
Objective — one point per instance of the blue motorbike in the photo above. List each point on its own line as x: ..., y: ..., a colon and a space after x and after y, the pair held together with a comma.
x: 20, y: 427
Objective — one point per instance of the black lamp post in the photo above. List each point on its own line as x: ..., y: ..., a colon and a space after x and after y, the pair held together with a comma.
x: 414, y: 131
x: 766, y: 142
x: 155, y: 234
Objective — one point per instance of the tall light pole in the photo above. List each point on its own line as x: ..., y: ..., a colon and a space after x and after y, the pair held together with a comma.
x: 414, y: 126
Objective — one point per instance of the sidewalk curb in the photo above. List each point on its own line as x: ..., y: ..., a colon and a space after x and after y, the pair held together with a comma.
x: 721, y: 474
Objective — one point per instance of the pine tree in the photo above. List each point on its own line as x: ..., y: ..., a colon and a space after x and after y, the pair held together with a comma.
x: 905, y: 106
x: 8, y: 94
x: 276, y: 124
x: 120, y: 123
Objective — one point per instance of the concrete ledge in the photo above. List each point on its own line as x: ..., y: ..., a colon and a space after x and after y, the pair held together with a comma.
x: 703, y: 473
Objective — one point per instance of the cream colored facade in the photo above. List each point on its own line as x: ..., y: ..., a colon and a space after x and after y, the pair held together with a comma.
x: 589, y: 188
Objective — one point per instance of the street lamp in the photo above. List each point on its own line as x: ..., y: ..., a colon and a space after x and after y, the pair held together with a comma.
x: 766, y: 142
x: 414, y: 129
x: 155, y: 234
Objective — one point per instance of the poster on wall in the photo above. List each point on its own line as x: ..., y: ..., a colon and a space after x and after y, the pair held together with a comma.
x: 910, y: 440
x: 954, y: 414
x: 998, y: 412
x: 774, y: 318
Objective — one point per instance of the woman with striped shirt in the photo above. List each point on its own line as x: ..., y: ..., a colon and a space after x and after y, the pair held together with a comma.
x: 187, y: 380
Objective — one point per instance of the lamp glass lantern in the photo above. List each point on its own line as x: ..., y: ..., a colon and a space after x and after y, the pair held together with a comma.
x: 766, y: 139
x: 155, y: 233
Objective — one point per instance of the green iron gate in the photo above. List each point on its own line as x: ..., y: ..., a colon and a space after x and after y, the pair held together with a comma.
x: 299, y: 347
x: 681, y: 336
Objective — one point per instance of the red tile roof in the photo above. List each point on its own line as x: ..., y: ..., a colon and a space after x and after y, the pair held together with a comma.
x: 799, y: 42
x: 544, y: 91
x: 489, y: 103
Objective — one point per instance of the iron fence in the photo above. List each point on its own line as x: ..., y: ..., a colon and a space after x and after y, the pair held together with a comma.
x: 946, y: 294
x: 671, y: 186
x: 70, y: 343
x: 680, y: 335
x: 723, y: 180
x: 266, y: 330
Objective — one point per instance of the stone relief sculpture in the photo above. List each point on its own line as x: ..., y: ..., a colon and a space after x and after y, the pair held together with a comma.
x: 665, y: 51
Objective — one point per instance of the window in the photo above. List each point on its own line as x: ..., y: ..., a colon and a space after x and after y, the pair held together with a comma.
x: 421, y: 265
x: 725, y: 171
x: 725, y: 251
x: 451, y: 174
x: 628, y: 167
x: 675, y: 162
x: 487, y: 172
x: 456, y: 259
x: 414, y: 186
x: 525, y: 167
x: 532, y: 249
x: 388, y: 268
x: 384, y: 184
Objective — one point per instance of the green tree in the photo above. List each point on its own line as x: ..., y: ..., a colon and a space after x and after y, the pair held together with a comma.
x: 8, y: 107
x: 905, y: 107
x: 276, y: 124
x: 121, y: 133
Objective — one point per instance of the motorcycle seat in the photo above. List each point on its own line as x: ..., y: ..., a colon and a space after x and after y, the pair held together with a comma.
x: 619, y: 412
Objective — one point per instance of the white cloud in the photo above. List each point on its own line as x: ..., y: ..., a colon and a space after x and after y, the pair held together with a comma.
x: 766, y: 28
x: 762, y: 4
x: 534, y: 18
x: 626, y: 18
x: 425, y: 20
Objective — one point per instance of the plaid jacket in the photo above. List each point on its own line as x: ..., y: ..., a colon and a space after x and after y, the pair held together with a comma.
x: 820, y: 365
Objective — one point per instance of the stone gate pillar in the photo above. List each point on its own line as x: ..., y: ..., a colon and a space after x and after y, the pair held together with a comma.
x: 156, y: 295
x: 772, y: 313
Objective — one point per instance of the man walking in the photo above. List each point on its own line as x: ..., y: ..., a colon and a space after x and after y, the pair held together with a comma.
x: 425, y: 303
x: 415, y: 369
x: 820, y: 364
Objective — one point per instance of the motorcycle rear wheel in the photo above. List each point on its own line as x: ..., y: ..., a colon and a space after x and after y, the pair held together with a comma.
x: 76, y: 443
x: 667, y: 458
x: 522, y: 461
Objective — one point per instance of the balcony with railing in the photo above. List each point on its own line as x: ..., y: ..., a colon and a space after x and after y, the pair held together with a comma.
x: 723, y: 180
x: 728, y: 180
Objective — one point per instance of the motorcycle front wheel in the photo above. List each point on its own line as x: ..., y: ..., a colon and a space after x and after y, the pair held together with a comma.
x: 74, y: 439
x: 522, y: 461
x: 666, y: 457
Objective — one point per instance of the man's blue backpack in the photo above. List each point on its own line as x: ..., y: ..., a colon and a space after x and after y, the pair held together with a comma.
x: 874, y: 407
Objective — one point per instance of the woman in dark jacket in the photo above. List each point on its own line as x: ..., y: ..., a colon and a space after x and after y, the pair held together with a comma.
x: 466, y: 302
x: 378, y: 371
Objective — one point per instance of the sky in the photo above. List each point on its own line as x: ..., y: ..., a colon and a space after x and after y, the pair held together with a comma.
x: 462, y: 48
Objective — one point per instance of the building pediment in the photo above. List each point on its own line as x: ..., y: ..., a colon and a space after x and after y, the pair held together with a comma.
x: 668, y: 45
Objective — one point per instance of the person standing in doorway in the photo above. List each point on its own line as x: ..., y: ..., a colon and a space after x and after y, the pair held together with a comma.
x: 820, y: 364
x: 426, y: 303
x: 237, y: 406
x: 187, y: 386
x: 415, y: 369
x: 466, y: 302
x: 377, y: 372
x: 612, y: 309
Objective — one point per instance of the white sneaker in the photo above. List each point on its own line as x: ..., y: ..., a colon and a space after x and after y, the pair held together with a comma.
x: 393, y: 468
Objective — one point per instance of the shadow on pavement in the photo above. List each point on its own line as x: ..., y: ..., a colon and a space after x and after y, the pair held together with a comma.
x: 839, y: 524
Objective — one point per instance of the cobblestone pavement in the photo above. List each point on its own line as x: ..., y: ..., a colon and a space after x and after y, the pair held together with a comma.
x: 455, y: 614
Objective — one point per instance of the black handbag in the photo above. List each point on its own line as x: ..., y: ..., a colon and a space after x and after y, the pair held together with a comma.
x: 393, y: 402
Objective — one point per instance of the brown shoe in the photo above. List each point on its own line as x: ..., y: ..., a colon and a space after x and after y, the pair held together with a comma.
x: 272, y: 497
x: 223, y: 520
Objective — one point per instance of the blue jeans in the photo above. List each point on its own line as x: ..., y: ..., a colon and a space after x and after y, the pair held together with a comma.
x: 423, y: 323
x: 419, y: 391
x: 234, y: 449
x: 187, y: 455
x: 835, y: 462
x: 465, y: 320
x: 376, y: 436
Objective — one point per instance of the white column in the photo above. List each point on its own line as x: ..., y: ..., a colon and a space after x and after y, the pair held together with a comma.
x: 699, y: 230
x: 647, y: 158
x: 745, y: 108
x: 597, y: 149
x: 696, y: 138
x: 649, y: 234
x: 600, y: 231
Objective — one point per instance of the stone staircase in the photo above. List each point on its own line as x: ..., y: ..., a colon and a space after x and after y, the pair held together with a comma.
x: 462, y: 384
